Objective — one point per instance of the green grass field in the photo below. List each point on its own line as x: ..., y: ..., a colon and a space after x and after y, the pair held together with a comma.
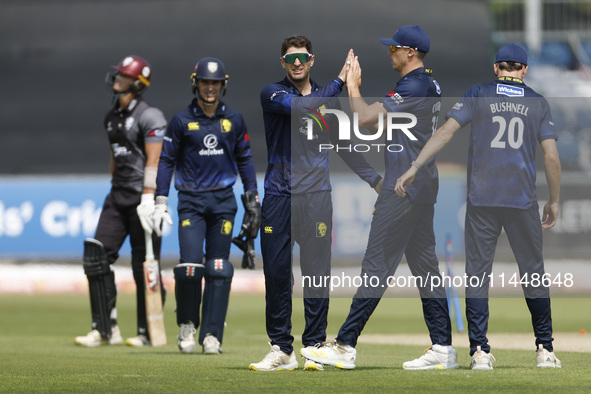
x: 37, y: 352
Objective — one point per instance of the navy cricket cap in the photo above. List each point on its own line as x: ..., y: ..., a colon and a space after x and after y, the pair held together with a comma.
x: 411, y: 36
x: 511, y: 53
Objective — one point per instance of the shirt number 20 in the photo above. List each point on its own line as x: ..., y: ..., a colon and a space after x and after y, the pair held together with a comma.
x: 514, y: 131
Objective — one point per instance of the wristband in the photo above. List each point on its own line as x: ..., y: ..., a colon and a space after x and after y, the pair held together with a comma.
x: 375, y: 182
x: 416, y: 165
x: 146, y: 197
x: 161, y: 200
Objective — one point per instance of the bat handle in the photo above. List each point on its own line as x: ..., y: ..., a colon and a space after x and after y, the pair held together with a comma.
x: 149, y: 246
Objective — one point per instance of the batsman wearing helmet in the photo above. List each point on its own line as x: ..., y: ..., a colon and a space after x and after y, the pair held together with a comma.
x: 206, y: 146
x: 135, y: 130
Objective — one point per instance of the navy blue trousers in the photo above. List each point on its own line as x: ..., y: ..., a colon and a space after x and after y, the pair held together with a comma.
x: 307, y: 220
x: 399, y: 227
x: 524, y: 231
x: 206, y: 218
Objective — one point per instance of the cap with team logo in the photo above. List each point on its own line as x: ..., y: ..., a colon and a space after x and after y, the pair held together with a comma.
x: 511, y: 53
x: 411, y: 36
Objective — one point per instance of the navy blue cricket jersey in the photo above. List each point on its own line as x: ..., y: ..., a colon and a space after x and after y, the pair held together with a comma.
x: 419, y: 94
x: 295, y: 164
x: 508, y: 120
x: 205, y: 153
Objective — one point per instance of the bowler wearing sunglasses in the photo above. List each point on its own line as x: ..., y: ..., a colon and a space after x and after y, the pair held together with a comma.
x: 297, y: 206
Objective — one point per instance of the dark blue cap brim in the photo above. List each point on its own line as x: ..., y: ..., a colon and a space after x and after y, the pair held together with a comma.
x: 388, y: 41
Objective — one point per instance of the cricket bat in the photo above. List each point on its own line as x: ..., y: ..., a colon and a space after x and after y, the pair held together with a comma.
x: 152, y: 284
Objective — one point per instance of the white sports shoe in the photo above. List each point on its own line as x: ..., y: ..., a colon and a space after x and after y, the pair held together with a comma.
x: 435, y: 357
x: 211, y: 345
x: 139, y: 341
x: 186, y: 338
x: 331, y: 353
x: 276, y: 360
x: 310, y: 365
x: 482, y: 361
x: 547, y: 359
x: 94, y: 338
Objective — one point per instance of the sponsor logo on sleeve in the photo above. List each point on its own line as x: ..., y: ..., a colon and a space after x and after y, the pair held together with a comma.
x: 396, y: 97
x: 157, y: 133
x: 275, y: 94
x: 457, y: 106
x: 437, y: 87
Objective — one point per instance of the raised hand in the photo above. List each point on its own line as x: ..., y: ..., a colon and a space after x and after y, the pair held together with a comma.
x: 354, y: 74
x: 346, y: 66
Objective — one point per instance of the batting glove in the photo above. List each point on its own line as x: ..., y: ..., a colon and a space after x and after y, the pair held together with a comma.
x: 161, y: 214
x: 145, y: 211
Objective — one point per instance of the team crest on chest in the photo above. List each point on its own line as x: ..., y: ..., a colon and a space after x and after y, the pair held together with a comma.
x: 226, y: 125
